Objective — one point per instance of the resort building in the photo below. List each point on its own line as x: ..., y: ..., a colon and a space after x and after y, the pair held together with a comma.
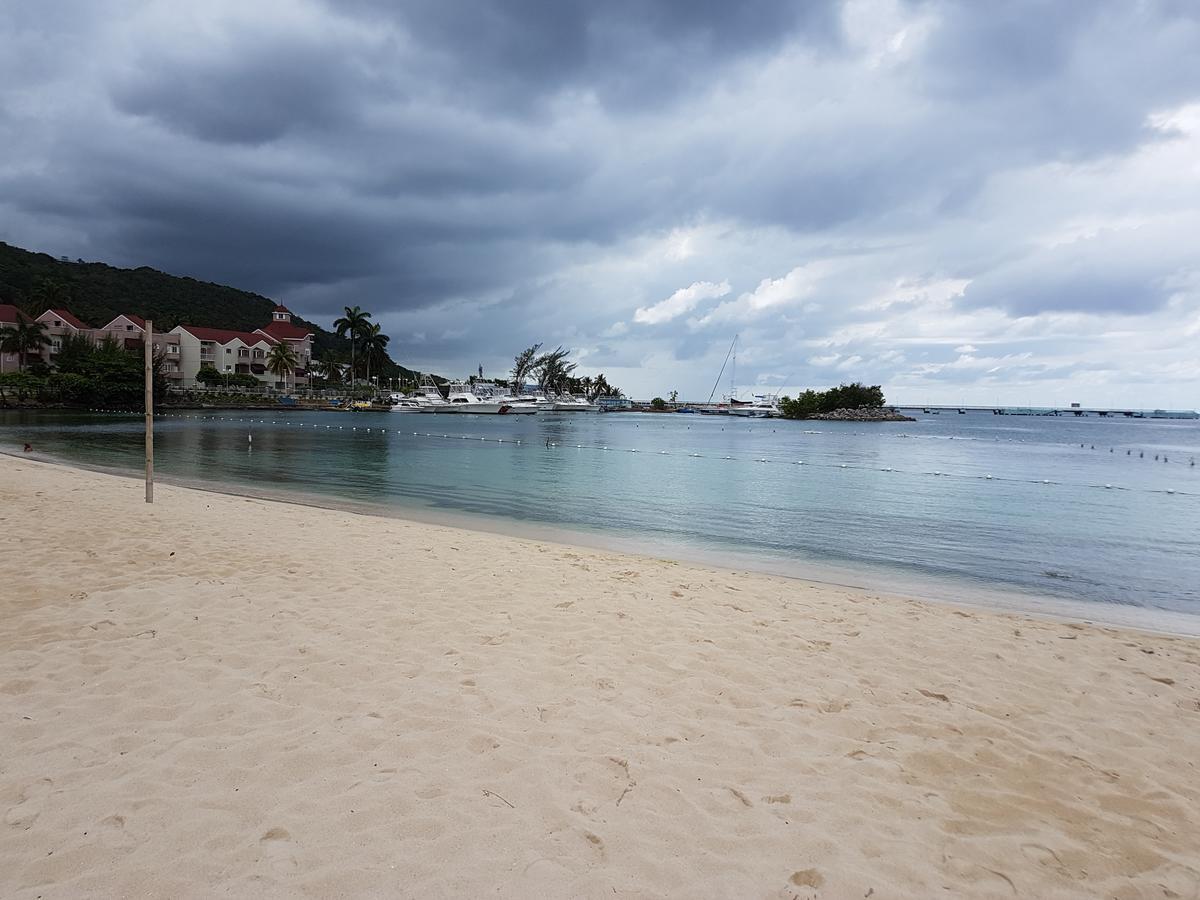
x: 184, y: 350
x: 244, y: 352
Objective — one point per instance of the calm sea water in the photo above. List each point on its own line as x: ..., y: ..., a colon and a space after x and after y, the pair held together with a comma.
x: 1076, y: 509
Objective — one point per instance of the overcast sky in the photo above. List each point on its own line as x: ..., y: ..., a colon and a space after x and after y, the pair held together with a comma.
x: 963, y: 201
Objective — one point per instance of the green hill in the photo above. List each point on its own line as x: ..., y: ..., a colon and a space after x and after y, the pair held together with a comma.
x: 97, y: 293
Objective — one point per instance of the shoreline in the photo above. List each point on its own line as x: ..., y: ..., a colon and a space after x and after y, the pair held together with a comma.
x: 217, y: 694
x: 936, y: 589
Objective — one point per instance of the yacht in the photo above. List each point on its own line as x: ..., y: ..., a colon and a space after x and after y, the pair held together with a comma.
x: 428, y: 398
x: 759, y: 408
x: 463, y: 400
x: 570, y: 403
x: 402, y: 404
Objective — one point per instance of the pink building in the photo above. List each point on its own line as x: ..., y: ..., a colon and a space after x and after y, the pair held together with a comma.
x: 185, y: 349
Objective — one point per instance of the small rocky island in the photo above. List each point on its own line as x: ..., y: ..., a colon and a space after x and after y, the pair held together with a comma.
x: 853, y: 402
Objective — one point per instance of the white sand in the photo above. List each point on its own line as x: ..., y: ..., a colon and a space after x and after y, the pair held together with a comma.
x: 216, y: 696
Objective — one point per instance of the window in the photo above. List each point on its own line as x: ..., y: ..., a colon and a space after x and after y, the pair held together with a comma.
x: 129, y: 328
x: 172, y: 348
x: 57, y: 323
x: 228, y: 349
x: 56, y: 344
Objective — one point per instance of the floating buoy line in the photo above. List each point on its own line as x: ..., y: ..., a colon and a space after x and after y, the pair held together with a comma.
x: 696, y: 455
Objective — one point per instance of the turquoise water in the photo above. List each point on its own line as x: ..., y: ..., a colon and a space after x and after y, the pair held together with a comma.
x: 892, y: 504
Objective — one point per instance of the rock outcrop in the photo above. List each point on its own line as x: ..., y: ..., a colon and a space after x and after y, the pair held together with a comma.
x: 867, y: 414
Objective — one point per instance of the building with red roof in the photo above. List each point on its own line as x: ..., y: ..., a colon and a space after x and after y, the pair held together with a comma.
x: 185, y: 349
x: 245, y: 353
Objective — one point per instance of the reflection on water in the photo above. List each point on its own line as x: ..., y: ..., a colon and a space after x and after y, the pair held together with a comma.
x: 988, y: 500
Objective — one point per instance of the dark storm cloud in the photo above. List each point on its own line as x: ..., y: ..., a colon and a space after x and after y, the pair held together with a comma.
x: 627, y: 52
x: 253, y: 91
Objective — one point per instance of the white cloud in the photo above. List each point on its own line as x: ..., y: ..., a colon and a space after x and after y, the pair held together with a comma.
x: 682, y: 301
x: 771, y: 293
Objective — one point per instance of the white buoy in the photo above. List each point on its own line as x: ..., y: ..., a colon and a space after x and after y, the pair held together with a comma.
x: 1170, y: 490
x: 988, y: 477
x: 1108, y: 487
x: 1045, y: 481
x: 843, y: 465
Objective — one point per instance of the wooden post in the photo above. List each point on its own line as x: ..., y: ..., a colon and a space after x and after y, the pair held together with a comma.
x: 149, y: 411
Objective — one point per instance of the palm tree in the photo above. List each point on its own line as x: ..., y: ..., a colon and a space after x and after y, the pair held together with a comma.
x: 553, y: 369
x: 601, y: 388
x: 353, y: 323
x: 523, y: 366
x: 282, y: 359
x: 50, y: 294
x: 22, y: 338
x: 330, y: 366
x: 374, y: 345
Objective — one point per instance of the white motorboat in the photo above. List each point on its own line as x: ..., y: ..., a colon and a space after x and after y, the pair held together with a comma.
x: 411, y: 405
x: 463, y: 400
x: 426, y: 399
x: 570, y: 403
x: 761, y: 408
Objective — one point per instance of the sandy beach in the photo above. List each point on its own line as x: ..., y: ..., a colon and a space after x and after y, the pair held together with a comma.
x: 221, y: 696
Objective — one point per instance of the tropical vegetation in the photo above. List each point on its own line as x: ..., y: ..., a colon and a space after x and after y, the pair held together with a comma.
x: 554, y: 374
x: 86, y: 374
x: 281, y: 361
x: 353, y: 324
x: 846, y: 396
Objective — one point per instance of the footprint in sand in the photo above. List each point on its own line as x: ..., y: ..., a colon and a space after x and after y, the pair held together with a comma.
x: 807, y: 878
x: 111, y: 832
x: 1044, y: 856
x: 595, y: 841
x: 278, y: 850
x: 29, y: 804
x: 483, y: 743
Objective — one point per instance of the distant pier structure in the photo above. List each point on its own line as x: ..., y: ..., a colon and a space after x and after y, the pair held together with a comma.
x: 1073, y: 410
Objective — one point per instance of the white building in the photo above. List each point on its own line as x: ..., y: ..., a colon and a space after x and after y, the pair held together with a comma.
x: 244, y: 352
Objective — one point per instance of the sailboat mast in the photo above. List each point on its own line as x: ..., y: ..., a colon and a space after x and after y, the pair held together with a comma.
x: 717, y: 383
x: 733, y: 371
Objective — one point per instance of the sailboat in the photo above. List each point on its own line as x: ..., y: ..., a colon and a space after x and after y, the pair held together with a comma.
x: 761, y: 407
